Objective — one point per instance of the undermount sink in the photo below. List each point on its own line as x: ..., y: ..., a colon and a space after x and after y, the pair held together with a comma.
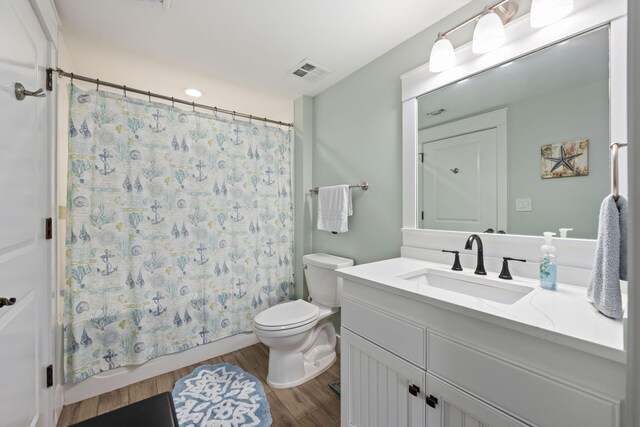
x: 487, y: 288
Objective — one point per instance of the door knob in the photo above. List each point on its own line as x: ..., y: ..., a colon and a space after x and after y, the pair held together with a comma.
x: 7, y: 301
x: 21, y: 92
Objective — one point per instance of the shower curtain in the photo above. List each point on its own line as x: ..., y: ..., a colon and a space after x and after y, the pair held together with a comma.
x: 179, y: 229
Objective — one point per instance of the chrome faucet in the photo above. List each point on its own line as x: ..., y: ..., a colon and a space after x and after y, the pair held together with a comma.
x: 469, y: 246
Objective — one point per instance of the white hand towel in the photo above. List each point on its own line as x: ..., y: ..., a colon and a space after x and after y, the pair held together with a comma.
x: 334, y: 208
x: 610, y: 264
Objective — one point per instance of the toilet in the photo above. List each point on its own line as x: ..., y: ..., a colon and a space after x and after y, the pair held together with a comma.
x: 300, y: 336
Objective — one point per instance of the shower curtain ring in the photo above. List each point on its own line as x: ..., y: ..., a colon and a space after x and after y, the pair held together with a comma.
x: 193, y: 105
x: 125, y: 91
x: 97, y: 84
x: 233, y: 116
x: 71, y: 78
x: 215, y: 110
x: 250, y: 118
x: 149, y: 95
x: 173, y: 104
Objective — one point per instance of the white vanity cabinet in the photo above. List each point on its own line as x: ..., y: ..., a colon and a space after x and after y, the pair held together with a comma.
x: 455, y: 408
x: 380, y: 389
x: 410, y: 363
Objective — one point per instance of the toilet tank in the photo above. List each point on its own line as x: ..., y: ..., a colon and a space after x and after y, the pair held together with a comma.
x: 324, y: 286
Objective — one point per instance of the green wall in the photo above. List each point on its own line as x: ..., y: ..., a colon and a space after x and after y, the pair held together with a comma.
x: 358, y: 136
x: 579, y: 112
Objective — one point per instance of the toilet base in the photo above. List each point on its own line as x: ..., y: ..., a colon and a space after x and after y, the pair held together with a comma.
x: 311, y: 370
x: 295, y: 359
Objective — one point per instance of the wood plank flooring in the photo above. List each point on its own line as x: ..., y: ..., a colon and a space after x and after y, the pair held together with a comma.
x: 310, y: 404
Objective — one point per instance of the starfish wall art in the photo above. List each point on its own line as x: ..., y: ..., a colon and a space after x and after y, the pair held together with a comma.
x: 569, y: 158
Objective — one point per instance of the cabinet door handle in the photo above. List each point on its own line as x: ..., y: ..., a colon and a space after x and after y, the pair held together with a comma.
x: 432, y: 400
x: 414, y: 389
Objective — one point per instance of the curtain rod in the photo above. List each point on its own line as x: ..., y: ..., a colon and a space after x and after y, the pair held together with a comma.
x: 125, y: 89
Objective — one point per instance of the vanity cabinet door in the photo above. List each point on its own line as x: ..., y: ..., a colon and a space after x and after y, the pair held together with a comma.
x: 451, y: 407
x: 379, y: 389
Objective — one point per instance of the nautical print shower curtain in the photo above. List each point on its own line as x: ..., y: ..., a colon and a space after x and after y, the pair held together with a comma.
x: 179, y: 229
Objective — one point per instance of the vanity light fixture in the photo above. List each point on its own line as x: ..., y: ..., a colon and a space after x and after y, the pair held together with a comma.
x: 489, y: 34
x: 195, y: 93
x: 442, y: 57
x: 546, y: 12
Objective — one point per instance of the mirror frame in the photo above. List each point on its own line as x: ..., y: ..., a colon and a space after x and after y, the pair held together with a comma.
x: 521, y: 40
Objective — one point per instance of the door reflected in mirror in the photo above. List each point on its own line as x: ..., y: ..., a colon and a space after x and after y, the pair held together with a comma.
x: 521, y: 148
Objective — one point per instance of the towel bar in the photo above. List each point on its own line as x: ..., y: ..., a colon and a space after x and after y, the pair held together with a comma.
x: 364, y: 185
x: 615, y: 188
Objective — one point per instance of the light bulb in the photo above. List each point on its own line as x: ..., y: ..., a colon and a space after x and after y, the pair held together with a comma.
x: 443, y: 57
x: 488, y: 34
x: 546, y: 12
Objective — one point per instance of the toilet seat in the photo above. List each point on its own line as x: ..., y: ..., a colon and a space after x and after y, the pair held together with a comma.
x: 287, y: 315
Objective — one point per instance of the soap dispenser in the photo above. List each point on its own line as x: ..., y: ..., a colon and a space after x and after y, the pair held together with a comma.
x: 564, y: 231
x: 548, y: 267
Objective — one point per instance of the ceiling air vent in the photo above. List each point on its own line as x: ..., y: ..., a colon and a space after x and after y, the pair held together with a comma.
x: 159, y: 4
x: 309, y: 71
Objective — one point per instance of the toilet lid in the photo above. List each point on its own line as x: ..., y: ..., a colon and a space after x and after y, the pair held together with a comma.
x: 291, y: 313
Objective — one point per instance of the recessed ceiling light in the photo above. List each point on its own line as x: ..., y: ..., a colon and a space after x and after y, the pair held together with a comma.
x: 193, y: 92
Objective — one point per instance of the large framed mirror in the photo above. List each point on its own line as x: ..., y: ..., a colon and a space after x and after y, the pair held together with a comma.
x: 521, y: 148
x: 516, y: 142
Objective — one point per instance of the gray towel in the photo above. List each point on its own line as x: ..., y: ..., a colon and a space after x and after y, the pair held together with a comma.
x: 610, y: 264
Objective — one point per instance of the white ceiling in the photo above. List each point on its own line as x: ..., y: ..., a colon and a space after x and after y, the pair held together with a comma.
x: 250, y: 42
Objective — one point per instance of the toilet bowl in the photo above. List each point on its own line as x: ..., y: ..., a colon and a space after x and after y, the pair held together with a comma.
x: 300, y: 336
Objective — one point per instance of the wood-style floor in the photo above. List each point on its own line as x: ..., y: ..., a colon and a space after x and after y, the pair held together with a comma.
x: 310, y: 404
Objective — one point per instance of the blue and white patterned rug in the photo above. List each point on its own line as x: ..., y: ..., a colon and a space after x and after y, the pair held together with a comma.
x: 221, y: 395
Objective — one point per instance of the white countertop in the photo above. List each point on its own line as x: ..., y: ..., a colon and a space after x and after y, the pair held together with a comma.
x: 564, y: 316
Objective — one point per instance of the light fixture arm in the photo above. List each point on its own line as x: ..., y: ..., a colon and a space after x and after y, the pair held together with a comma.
x: 505, y: 9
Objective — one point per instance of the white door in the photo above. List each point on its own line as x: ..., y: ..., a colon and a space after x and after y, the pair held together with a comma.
x: 459, y: 183
x: 25, y: 346
x: 376, y: 386
x: 454, y: 408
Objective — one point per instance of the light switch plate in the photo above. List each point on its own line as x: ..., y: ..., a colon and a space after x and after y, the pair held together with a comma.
x: 523, y: 205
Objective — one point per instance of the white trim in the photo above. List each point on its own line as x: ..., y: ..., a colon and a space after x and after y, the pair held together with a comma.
x: 578, y: 253
x: 522, y: 39
x: 409, y: 162
x: 493, y: 120
x: 633, y: 332
x: 618, y: 95
x: 121, y: 377
x: 48, y: 18
x: 58, y: 400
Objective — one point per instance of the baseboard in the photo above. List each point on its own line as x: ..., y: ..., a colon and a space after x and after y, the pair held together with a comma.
x: 121, y: 377
x: 58, y: 399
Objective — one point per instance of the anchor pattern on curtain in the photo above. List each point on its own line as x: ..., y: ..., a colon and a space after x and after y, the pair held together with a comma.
x: 179, y: 229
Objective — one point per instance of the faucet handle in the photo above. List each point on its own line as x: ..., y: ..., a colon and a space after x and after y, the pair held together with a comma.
x: 505, y: 273
x: 456, y: 262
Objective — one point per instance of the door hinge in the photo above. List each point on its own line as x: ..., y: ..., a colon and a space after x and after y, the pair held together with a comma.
x: 422, y: 215
x: 49, y: 376
x: 49, y: 83
x: 432, y: 400
x: 414, y: 390
x: 421, y: 157
x: 48, y: 229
